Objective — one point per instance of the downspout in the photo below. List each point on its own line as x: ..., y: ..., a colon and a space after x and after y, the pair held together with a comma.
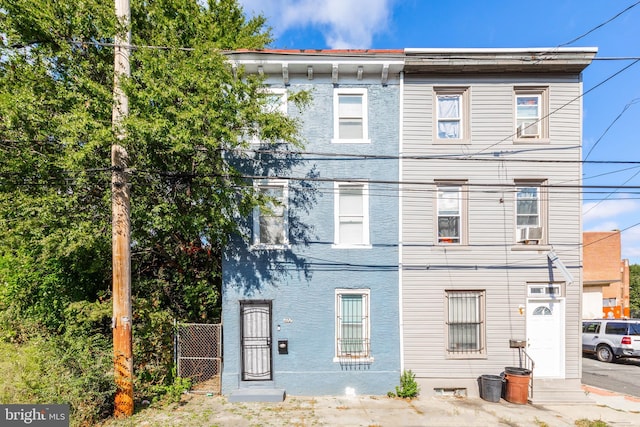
x: 400, y: 221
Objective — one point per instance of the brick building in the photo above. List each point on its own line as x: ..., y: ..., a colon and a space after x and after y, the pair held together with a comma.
x: 606, y: 276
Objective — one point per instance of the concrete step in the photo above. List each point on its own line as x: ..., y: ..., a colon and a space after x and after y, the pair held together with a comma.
x: 559, y: 392
x: 257, y: 394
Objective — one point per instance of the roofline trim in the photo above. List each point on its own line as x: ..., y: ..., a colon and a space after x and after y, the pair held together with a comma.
x: 417, y: 51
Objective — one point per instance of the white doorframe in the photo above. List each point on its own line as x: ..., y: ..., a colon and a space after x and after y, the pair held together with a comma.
x: 546, y: 336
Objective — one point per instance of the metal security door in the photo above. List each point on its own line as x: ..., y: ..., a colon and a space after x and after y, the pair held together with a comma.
x: 255, y: 318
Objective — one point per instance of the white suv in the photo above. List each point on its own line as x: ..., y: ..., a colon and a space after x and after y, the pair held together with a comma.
x: 611, y: 338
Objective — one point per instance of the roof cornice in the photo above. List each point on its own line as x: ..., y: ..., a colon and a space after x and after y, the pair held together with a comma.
x: 501, y: 60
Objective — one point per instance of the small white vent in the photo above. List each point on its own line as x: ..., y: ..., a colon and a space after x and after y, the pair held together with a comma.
x: 529, y: 130
x: 529, y: 234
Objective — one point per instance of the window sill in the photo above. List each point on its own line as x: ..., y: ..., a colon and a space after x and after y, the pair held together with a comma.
x: 339, y: 246
x: 533, y: 247
x: 451, y: 141
x: 466, y: 356
x: 350, y: 141
x: 452, y: 246
x: 352, y: 359
x: 264, y: 247
x: 531, y: 141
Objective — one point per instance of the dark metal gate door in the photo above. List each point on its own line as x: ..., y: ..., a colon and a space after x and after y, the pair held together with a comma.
x: 255, y: 317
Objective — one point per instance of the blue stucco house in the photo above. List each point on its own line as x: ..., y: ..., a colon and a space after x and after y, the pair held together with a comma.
x: 310, y: 293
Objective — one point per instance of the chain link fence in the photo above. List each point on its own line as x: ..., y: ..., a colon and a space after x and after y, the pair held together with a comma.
x: 199, y: 355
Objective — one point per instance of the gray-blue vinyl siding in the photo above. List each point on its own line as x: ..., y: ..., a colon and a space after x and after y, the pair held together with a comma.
x: 301, y: 281
x: 491, y: 261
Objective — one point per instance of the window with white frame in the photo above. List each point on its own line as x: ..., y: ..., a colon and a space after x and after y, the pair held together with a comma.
x: 531, y: 113
x: 350, y: 115
x: 529, y: 213
x: 450, y: 214
x: 270, y: 221
x: 275, y: 101
x: 351, y: 214
x: 452, y: 113
x: 465, y: 322
x: 451, y: 118
x: 352, y: 323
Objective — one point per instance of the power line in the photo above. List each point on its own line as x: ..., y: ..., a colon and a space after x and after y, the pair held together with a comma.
x: 496, y: 156
x: 600, y: 25
x: 564, y: 105
x: 626, y: 107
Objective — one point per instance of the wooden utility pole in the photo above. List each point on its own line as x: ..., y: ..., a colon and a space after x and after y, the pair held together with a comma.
x: 121, y: 227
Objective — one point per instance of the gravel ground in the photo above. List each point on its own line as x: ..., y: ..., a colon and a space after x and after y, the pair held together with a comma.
x: 374, y: 411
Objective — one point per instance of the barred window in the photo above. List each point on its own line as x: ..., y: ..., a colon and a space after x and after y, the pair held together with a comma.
x: 465, y: 322
x: 352, y: 323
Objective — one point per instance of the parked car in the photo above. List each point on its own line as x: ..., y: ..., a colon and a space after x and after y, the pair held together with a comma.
x: 610, y: 339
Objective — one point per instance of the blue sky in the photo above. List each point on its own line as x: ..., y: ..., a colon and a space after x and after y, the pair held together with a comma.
x: 611, y: 111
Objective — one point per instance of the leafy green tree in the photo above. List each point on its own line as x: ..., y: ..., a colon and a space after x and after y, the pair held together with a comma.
x: 188, y: 108
x: 189, y: 112
x: 634, y: 290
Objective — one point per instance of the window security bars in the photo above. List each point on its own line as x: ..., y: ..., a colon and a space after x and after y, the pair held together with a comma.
x: 465, y: 322
x: 352, y: 326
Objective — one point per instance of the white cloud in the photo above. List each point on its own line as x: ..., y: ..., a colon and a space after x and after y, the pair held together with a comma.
x: 608, y: 209
x: 343, y: 23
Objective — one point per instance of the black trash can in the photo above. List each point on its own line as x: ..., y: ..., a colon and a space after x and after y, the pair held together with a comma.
x: 491, y: 387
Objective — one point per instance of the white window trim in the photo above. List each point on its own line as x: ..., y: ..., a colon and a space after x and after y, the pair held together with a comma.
x: 543, y: 113
x: 368, y: 358
x: 482, y: 312
x: 366, y: 243
x: 463, y: 194
x: 542, y: 213
x: 283, y: 108
x: 256, y: 244
x: 465, y: 114
x: 336, y: 119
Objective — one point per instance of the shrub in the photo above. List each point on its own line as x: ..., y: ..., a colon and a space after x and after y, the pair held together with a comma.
x: 74, y: 371
x: 408, y: 387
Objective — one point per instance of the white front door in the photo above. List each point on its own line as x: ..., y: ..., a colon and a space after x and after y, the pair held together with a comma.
x: 545, y: 337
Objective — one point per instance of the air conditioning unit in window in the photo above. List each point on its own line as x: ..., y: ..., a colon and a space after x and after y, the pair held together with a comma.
x: 529, y: 234
x: 529, y: 130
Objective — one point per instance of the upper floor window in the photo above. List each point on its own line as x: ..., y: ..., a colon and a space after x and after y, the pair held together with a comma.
x: 531, y: 108
x: 275, y: 101
x: 465, y: 323
x: 270, y: 228
x: 452, y: 114
x: 351, y: 214
x: 450, y: 214
x: 352, y: 323
x: 350, y: 115
x: 530, y: 218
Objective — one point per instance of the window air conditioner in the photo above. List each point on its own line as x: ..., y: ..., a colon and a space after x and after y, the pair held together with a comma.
x: 528, y: 234
x: 529, y: 130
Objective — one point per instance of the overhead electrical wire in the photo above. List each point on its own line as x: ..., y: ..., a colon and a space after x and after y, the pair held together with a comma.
x: 600, y: 25
x: 626, y: 107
